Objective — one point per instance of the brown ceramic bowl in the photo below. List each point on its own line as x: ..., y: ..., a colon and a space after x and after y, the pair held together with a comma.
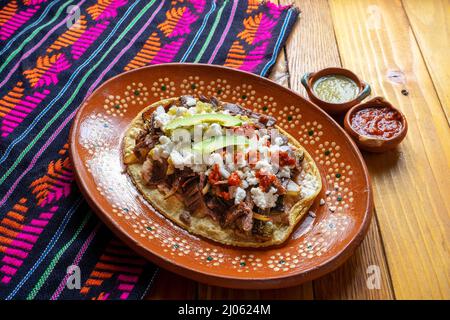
x: 309, y: 79
x: 375, y: 144
x: 321, y: 242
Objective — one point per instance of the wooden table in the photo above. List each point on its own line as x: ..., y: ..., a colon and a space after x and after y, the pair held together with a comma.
x: 394, y: 45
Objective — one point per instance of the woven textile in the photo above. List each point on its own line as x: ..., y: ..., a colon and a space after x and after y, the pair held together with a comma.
x: 52, y: 55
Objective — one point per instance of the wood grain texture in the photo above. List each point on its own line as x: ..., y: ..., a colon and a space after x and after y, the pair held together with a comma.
x: 311, y: 47
x: 303, y: 292
x: 169, y: 286
x: 349, y: 282
x: 430, y: 22
x: 411, y: 183
x: 279, y: 74
x: 394, y: 46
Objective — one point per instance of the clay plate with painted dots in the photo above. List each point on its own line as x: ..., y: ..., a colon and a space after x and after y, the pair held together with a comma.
x: 323, y: 240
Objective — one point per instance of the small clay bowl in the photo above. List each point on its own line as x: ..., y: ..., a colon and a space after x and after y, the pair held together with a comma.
x: 310, y: 78
x: 372, y: 144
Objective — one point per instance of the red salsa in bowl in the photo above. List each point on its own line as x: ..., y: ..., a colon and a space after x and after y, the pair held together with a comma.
x: 377, y: 122
x: 376, y: 125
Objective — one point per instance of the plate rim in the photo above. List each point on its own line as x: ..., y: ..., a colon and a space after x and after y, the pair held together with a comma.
x: 271, y: 282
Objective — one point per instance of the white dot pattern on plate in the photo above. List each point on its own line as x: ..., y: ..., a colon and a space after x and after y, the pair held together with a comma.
x: 113, y: 183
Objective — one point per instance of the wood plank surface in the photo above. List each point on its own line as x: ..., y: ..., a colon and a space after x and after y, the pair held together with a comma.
x: 411, y: 183
x: 279, y: 74
x: 394, y: 46
x: 311, y: 47
x: 170, y: 286
x: 430, y: 22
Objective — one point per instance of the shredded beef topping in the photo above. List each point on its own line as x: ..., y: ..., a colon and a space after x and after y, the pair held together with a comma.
x: 212, y: 193
x: 240, y: 213
x: 263, y: 120
x: 154, y: 171
x: 146, y: 139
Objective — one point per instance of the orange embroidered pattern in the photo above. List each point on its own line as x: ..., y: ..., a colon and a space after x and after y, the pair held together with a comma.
x: 117, y: 261
x: 14, y: 107
x: 105, y: 9
x: 56, y: 183
x: 70, y: 36
x: 146, y: 54
x: 46, y: 70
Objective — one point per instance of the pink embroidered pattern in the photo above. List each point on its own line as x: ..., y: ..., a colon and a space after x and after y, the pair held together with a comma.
x: 47, y: 70
x: 14, y: 108
x: 55, y: 184
x: 17, y: 238
x: 116, y: 261
x: 178, y: 22
x: 11, y: 19
x: 105, y: 9
x: 87, y: 38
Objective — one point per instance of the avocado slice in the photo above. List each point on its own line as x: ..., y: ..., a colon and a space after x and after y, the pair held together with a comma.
x: 215, y: 143
x: 224, y: 119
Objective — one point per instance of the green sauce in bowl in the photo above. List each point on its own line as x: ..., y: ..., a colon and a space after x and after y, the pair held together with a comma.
x: 335, y: 89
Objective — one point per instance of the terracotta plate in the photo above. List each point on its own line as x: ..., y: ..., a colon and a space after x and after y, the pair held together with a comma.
x: 320, y: 243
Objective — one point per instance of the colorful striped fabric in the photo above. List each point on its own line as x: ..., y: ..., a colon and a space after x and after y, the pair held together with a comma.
x: 53, y: 53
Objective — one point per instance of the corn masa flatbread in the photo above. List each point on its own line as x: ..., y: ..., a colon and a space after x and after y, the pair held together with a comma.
x: 206, y: 227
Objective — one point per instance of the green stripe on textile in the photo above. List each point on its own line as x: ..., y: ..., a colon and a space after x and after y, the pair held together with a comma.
x: 211, y: 32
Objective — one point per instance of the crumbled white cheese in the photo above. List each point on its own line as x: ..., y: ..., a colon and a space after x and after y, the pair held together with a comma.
x: 190, y: 101
x: 239, y: 195
x: 264, y: 200
x: 164, y: 140
x: 308, y: 185
x: 263, y: 140
x: 177, y: 159
x: 188, y: 158
x: 178, y: 146
x: 215, y: 158
x: 278, y: 141
x: 284, y: 172
x: 231, y: 166
x: 214, y: 130
x: 250, y: 177
x: 264, y: 166
x: 229, y: 161
x: 241, y: 162
x: 164, y: 149
x: 161, y: 117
